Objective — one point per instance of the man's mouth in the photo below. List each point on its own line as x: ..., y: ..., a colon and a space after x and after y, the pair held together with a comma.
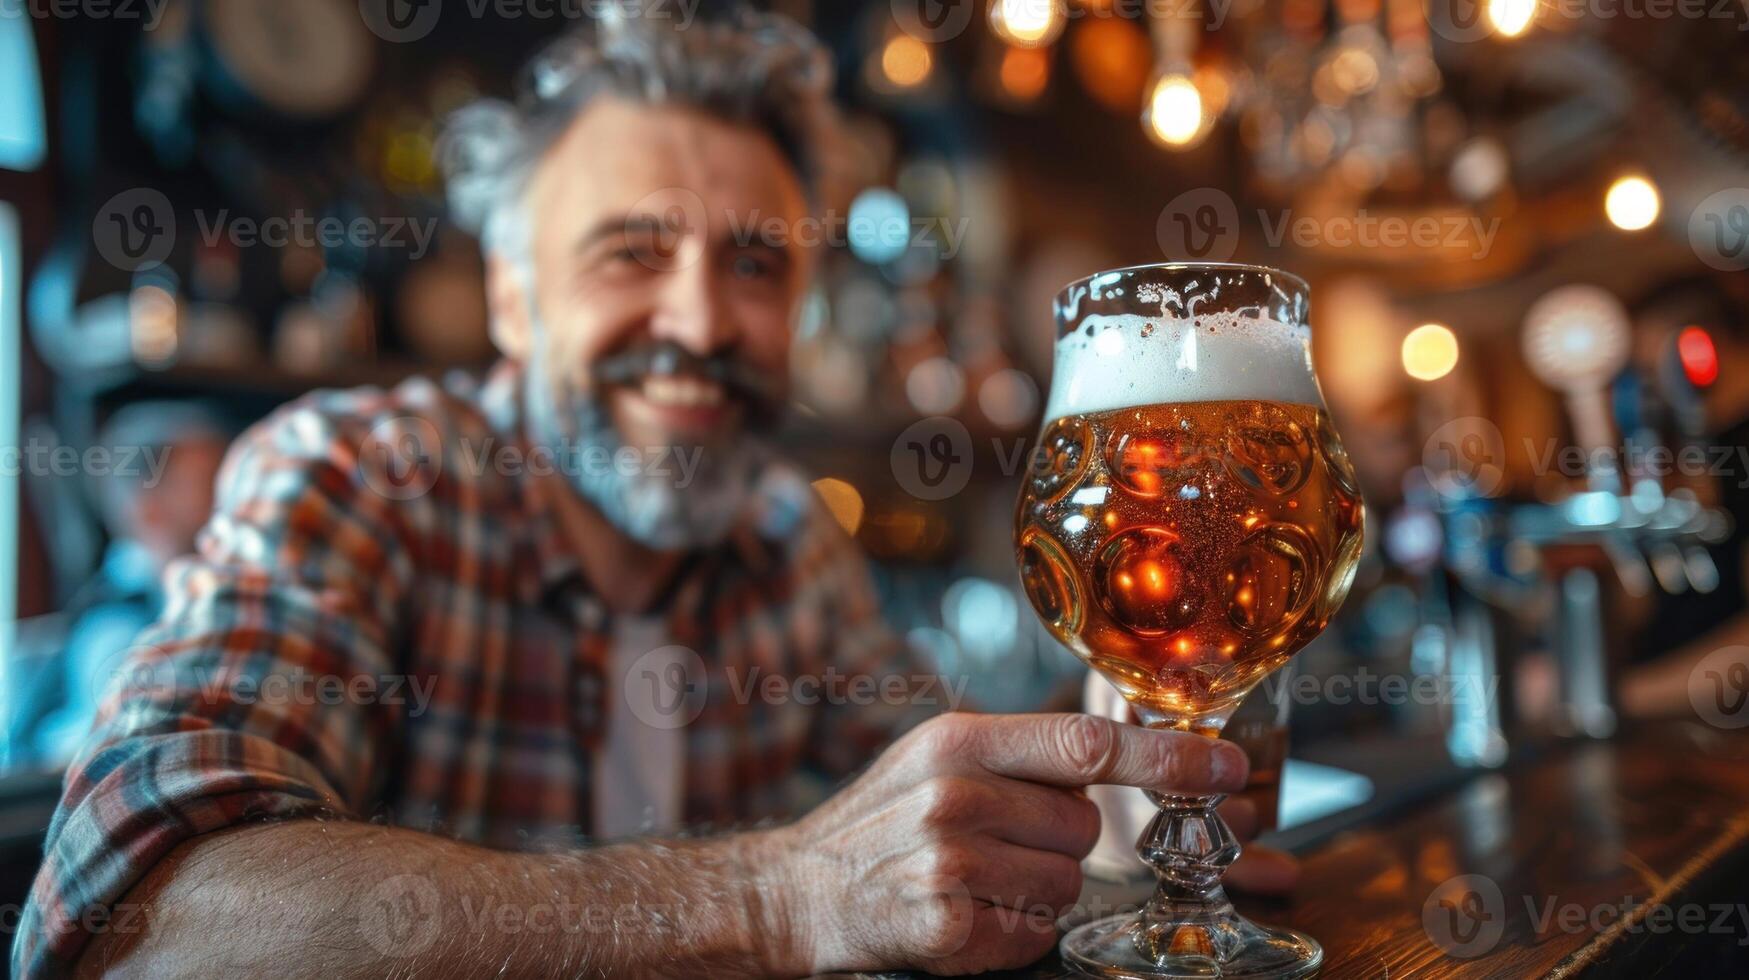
x: 681, y: 404
x: 681, y: 391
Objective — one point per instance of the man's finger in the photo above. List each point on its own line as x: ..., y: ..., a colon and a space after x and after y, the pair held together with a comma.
x: 1081, y: 750
x: 1045, y: 818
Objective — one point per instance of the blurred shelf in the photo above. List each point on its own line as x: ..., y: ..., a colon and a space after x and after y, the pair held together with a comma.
x: 265, y: 384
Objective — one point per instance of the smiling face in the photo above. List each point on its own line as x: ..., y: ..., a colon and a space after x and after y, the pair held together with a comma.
x: 634, y: 216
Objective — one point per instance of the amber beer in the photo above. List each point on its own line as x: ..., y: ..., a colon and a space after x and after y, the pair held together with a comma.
x: 1185, y: 550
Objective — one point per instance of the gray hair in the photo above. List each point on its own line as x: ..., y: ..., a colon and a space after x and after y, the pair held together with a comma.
x: 763, y: 70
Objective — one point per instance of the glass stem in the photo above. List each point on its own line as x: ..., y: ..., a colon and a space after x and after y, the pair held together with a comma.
x: 1189, y: 847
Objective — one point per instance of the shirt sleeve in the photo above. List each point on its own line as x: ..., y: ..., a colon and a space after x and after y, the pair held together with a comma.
x: 224, y: 710
x: 883, y: 689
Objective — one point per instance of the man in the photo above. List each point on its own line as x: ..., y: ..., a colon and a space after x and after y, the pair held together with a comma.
x: 503, y: 629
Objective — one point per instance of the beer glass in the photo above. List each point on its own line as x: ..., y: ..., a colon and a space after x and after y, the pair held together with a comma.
x: 1189, y: 522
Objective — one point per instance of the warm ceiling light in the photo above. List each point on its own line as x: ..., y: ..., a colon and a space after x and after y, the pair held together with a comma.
x: 1510, y: 18
x: 1632, y: 203
x: 1025, y: 73
x: 1430, y: 352
x: 1027, y: 23
x: 906, y: 61
x: 1174, y: 114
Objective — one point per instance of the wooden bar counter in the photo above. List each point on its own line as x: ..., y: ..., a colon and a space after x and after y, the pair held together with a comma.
x: 1622, y: 858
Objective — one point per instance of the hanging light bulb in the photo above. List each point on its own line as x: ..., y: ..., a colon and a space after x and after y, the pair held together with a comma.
x: 1632, y: 203
x: 1174, y: 114
x: 1511, y: 18
x: 1027, y: 23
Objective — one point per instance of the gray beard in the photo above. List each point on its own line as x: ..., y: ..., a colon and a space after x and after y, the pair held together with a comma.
x: 657, y: 506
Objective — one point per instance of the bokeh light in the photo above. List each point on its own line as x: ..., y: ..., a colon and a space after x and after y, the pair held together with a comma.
x: 1174, y: 114
x: 1632, y: 203
x: 1430, y: 352
x: 843, y: 501
x: 1027, y: 23
x: 906, y: 61
x: 1511, y: 18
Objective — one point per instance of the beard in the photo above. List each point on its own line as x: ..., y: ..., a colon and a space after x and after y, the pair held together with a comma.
x: 679, y: 497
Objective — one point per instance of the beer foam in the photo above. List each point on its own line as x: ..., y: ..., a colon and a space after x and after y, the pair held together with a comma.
x: 1123, y: 360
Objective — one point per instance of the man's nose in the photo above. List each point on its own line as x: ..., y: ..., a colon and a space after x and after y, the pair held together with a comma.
x: 691, y: 312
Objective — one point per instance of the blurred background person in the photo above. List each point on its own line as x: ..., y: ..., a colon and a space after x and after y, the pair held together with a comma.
x: 154, y: 499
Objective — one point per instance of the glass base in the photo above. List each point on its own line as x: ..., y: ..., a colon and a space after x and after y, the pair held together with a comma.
x: 1227, y: 946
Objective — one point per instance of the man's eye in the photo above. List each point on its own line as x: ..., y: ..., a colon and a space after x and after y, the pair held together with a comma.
x: 751, y: 267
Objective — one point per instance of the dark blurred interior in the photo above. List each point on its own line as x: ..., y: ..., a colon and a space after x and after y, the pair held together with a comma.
x: 1565, y: 200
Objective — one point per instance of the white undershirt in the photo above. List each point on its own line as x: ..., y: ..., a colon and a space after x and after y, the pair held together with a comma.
x: 639, y: 764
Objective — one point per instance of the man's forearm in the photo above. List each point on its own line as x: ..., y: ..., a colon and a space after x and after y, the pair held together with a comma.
x: 335, y: 899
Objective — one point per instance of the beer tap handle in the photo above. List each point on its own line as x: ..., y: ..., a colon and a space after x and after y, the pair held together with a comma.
x: 1630, y: 565
x: 1668, y: 566
x: 1702, y: 572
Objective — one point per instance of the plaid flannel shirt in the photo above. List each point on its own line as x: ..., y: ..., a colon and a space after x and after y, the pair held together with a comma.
x: 345, y: 578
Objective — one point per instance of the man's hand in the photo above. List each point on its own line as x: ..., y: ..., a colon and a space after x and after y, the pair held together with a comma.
x: 957, y: 851
x: 1125, y: 813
